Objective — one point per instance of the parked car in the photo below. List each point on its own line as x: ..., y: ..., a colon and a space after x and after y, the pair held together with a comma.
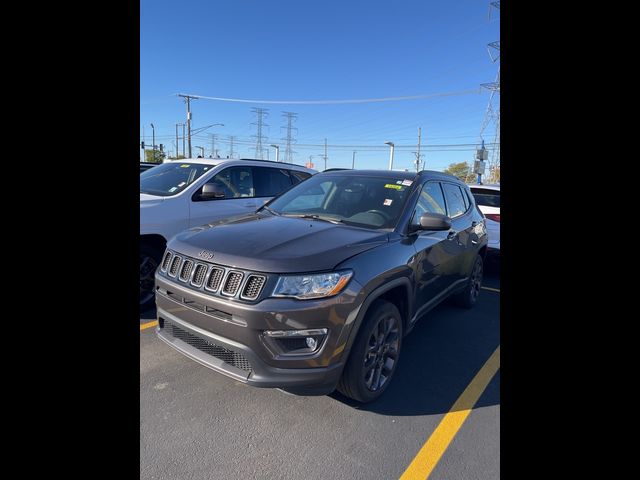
x: 488, y: 200
x: 144, y: 166
x: 317, y: 288
x: 179, y: 194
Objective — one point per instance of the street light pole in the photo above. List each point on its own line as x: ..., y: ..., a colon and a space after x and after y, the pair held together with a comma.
x: 392, y: 145
x: 277, y: 152
x: 353, y: 161
x: 201, y: 150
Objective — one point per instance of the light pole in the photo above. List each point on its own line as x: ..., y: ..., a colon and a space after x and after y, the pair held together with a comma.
x: 201, y: 150
x: 353, y: 161
x: 153, y: 144
x: 277, y: 152
x: 392, y: 145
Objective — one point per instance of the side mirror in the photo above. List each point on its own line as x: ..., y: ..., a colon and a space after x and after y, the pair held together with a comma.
x: 211, y: 191
x: 432, y: 221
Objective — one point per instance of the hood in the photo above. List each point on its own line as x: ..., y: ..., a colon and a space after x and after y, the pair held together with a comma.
x: 273, y: 244
x: 147, y: 200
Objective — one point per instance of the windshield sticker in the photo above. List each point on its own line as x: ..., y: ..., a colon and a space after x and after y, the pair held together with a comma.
x: 387, y: 202
x: 391, y: 185
x: 173, y: 189
x: 184, y: 165
x: 407, y: 183
x: 399, y: 182
x: 181, y: 184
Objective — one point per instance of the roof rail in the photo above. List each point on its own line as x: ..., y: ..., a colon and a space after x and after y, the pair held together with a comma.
x: 266, y: 161
x: 335, y: 169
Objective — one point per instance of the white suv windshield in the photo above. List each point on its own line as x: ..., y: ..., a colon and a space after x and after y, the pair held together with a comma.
x: 171, y: 178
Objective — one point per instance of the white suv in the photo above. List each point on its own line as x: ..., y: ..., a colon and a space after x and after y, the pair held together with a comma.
x: 488, y: 200
x: 180, y: 194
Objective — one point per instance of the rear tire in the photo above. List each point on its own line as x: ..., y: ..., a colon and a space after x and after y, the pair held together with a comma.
x: 469, y: 296
x: 149, y: 260
x: 375, y: 354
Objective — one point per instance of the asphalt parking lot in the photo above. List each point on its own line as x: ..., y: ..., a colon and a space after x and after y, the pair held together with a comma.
x: 197, y: 424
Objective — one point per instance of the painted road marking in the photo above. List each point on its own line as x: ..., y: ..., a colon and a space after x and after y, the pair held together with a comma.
x: 491, y: 289
x: 144, y: 326
x: 431, y: 452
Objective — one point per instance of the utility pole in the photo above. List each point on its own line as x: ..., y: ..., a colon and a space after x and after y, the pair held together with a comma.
x: 184, y: 152
x: 177, y: 153
x: 144, y: 141
x: 353, y: 161
x: 232, y: 138
x: 325, y: 153
x: 187, y: 99
x: 288, y: 153
x: 153, y: 144
x: 214, y: 137
x: 418, y: 152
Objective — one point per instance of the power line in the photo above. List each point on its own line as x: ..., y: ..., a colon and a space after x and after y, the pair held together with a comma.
x: 340, y: 102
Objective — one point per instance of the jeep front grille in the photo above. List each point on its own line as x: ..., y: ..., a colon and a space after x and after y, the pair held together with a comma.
x: 228, y: 356
x: 215, y: 278
x: 253, y: 286
x: 199, y: 274
x: 175, y: 263
x: 233, y: 283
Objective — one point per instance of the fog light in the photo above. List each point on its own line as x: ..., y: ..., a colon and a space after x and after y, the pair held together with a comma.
x: 296, y: 342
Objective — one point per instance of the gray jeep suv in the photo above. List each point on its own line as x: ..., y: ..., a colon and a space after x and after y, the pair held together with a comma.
x: 316, y: 289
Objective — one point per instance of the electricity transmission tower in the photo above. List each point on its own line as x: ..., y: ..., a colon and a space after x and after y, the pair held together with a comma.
x: 260, y: 113
x: 288, y: 153
x: 492, y: 113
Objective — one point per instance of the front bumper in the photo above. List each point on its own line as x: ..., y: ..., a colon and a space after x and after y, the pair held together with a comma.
x: 227, y: 336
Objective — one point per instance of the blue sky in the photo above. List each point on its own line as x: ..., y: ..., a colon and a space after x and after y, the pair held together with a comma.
x: 321, y: 50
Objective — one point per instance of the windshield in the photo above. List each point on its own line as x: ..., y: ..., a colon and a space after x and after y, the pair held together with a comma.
x: 370, y: 202
x: 171, y: 178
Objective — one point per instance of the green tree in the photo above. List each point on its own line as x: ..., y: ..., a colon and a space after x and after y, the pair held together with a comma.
x: 460, y: 170
x: 151, y: 158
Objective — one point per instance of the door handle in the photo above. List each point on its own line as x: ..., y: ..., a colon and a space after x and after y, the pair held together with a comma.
x: 452, y: 234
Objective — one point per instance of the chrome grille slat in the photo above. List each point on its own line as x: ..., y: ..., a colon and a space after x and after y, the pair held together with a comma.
x: 185, y: 271
x: 166, y: 261
x: 175, y: 264
x: 215, y: 278
x: 198, y: 275
x: 232, y: 283
x: 253, y: 287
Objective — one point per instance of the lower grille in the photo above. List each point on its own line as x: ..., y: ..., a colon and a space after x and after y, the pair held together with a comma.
x: 228, y: 356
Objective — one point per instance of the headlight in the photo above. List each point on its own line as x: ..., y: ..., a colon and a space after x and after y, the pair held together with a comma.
x: 312, y: 286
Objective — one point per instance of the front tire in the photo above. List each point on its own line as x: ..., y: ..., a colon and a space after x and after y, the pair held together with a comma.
x: 149, y: 261
x: 375, y: 353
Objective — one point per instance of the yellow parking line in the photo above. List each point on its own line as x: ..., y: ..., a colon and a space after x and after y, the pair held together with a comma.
x: 491, y: 289
x: 431, y: 452
x: 144, y: 326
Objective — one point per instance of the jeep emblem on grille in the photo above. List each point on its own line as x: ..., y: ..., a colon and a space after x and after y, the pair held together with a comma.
x: 206, y: 254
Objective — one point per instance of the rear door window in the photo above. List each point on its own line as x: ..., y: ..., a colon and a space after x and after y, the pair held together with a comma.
x: 297, y: 177
x: 269, y: 182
